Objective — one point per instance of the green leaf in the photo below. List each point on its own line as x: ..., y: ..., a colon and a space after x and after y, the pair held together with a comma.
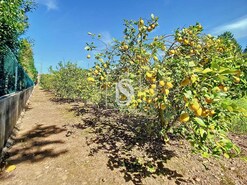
x: 200, y: 122
x: 198, y: 70
x: 229, y: 108
x: 188, y: 94
x: 151, y: 169
x: 205, y: 155
x: 207, y: 70
x: 152, y: 16
x: 192, y: 64
x: 202, y: 132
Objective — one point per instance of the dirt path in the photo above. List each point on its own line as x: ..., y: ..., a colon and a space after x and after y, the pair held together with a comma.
x: 46, y: 152
x: 54, y: 146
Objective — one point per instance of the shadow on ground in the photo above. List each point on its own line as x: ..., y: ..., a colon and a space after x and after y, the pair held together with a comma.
x: 127, y: 143
x: 34, y: 145
x: 64, y: 100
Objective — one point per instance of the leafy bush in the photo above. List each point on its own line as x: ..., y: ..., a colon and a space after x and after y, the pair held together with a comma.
x: 68, y: 81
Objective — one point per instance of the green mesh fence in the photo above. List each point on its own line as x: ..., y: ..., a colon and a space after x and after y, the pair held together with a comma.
x: 12, y: 76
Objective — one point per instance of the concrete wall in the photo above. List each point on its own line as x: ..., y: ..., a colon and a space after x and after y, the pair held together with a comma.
x: 11, y: 107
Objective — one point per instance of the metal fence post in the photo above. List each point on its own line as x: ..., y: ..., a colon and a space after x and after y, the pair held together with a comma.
x: 16, y: 76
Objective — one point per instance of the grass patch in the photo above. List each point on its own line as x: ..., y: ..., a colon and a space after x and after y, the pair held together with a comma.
x: 239, y: 123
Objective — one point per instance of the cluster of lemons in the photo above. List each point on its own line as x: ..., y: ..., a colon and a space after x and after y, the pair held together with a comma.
x: 155, y: 94
x: 98, y: 73
x: 197, y: 109
x: 143, y: 27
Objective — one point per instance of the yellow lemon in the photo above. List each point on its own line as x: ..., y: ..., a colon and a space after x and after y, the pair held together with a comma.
x: 194, y: 106
x: 141, y: 22
x: 172, y: 52
x: 180, y: 39
x: 153, y: 80
x: 236, y: 79
x: 212, y: 112
x: 96, y: 72
x: 162, y: 107
x: 151, y: 91
x: 148, y: 75
x: 186, y: 41
x: 198, y: 112
x: 225, y: 89
x: 185, y: 82
x: 90, y: 79
x: 149, y: 28
x: 167, y: 91
x: 169, y: 85
x: 156, y: 58
x: 149, y: 101
x: 153, y: 86
x: 184, y: 117
x: 162, y: 83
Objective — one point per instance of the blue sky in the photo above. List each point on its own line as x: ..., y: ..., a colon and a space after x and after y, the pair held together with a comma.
x: 59, y: 27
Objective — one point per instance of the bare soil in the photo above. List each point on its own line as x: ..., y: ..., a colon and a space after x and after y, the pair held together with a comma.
x: 63, y: 143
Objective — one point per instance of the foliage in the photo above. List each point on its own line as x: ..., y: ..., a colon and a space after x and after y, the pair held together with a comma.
x: 46, y: 81
x: 26, y: 59
x: 245, y: 50
x: 182, y: 78
x: 228, y: 38
x: 13, y: 21
x: 239, y: 122
x: 67, y: 82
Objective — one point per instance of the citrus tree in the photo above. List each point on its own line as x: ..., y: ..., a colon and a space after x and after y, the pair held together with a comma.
x: 182, y: 78
x: 67, y: 81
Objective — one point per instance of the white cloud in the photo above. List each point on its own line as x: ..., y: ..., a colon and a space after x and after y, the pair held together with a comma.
x: 50, y: 4
x: 237, y: 27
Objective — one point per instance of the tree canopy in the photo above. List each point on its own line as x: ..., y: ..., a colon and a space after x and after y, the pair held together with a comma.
x: 13, y: 21
x: 25, y: 56
x: 228, y: 38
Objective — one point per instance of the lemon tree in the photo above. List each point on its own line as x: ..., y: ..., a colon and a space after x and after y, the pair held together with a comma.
x: 182, y: 78
x: 67, y: 81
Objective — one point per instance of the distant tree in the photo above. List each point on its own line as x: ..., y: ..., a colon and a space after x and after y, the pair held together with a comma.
x: 25, y: 56
x: 245, y: 50
x: 228, y: 38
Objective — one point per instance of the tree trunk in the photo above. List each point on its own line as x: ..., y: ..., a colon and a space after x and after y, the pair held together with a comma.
x: 164, y: 125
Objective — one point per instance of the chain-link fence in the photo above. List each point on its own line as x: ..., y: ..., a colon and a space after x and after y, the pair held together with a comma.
x: 13, y: 78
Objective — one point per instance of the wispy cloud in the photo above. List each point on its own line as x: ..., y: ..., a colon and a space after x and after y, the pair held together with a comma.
x: 50, y: 4
x: 237, y: 27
